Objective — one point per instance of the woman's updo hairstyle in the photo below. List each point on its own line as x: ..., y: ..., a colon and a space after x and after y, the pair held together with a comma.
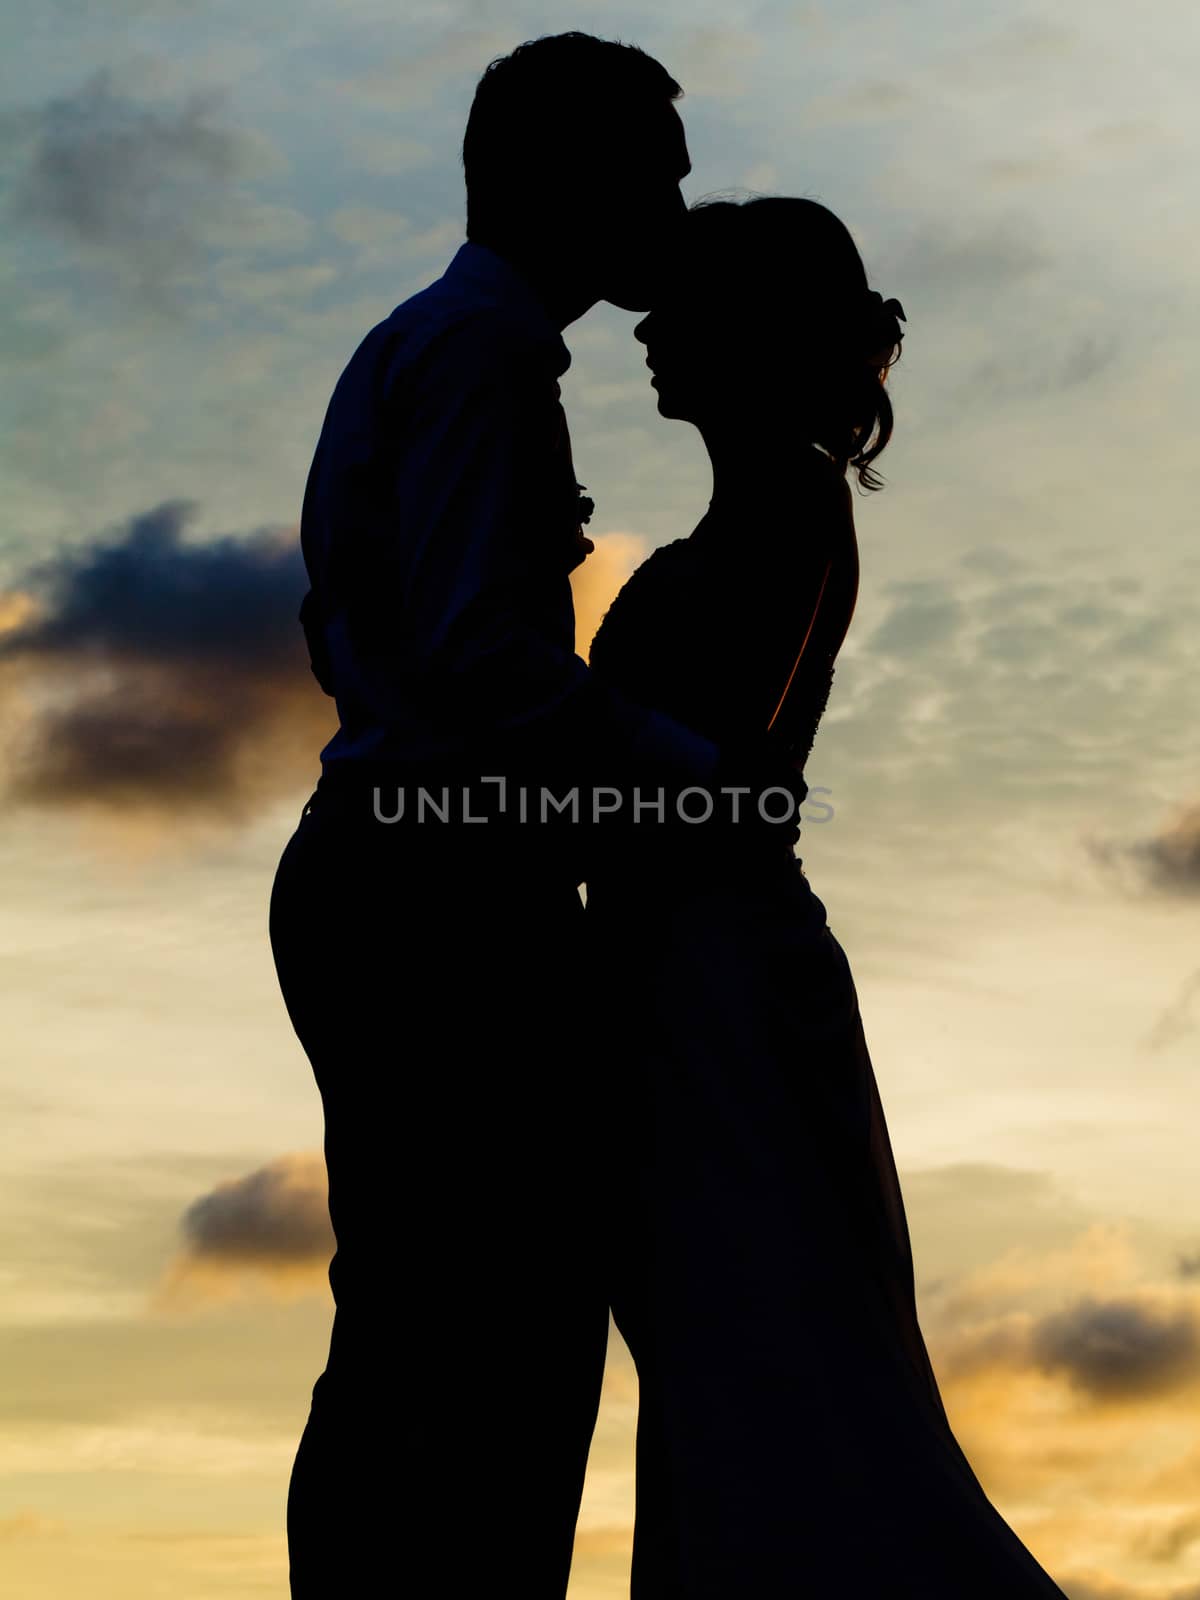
x: 791, y: 275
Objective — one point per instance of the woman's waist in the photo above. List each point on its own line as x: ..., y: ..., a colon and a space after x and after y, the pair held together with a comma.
x: 726, y: 863
x: 769, y: 905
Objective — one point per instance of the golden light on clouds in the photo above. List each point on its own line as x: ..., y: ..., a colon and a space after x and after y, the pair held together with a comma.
x: 187, y: 269
x: 1071, y: 1377
x: 16, y: 609
x: 595, y: 583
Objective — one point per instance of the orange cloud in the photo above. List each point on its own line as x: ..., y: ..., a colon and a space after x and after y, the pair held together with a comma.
x: 1070, y: 1377
x: 595, y: 584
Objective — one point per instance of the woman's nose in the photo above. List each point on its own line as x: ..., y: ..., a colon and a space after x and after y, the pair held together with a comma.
x: 639, y: 333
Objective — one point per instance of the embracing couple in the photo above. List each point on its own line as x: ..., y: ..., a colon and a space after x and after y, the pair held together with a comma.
x: 661, y: 1103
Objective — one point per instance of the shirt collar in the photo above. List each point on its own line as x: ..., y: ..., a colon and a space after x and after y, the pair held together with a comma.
x: 477, y: 267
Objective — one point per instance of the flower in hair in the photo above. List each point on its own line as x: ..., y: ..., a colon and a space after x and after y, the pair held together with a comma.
x: 883, y: 330
x: 581, y: 546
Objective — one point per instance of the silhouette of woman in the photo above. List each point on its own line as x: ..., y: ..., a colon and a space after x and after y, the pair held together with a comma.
x: 791, y: 1436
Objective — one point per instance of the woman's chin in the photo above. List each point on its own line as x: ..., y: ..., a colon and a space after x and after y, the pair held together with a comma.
x: 665, y: 406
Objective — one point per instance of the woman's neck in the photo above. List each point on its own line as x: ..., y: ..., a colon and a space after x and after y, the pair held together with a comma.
x: 753, y: 467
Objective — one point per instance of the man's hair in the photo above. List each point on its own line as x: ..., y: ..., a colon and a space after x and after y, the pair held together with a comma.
x: 547, y: 107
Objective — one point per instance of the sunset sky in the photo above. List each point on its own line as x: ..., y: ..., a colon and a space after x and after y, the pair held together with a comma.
x: 205, y: 208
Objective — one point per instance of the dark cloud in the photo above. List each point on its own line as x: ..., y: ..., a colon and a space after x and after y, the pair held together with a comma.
x: 277, y: 1214
x: 150, y: 597
x: 1117, y: 1349
x: 1168, y: 860
x: 135, y: 182
x: 157, y: 673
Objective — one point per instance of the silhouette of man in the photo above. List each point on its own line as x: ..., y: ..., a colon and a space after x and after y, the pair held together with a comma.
x: 433, y: 966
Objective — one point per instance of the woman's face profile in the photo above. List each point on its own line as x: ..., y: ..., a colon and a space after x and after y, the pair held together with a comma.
x: 681, y: 351
x: 709, y: 362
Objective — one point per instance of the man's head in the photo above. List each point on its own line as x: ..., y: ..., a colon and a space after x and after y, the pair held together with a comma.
x: 574, y: 154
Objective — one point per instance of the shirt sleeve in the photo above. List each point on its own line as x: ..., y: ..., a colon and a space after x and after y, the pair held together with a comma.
x: 485, y: 491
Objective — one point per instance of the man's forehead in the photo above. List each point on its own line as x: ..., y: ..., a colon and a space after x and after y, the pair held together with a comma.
x: 658, y: 133
x: 675, y: 122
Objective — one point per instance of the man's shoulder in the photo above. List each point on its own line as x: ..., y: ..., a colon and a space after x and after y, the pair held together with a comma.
x: 442, y: 342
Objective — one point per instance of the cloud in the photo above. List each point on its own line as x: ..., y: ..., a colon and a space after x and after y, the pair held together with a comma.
x: 366, y: 225
x: 388, y: 155
x: 713, y: 61
x: 1084, y: 1303
x: 857, y: 103
x: 1097, y: 1587
x: 145, y: 675
x: 1171, y: 857
x: 923, y: 619
x: 271, y: 1225
x: 1169, y: 1543
x: 277, y: 1213
x: 999, y: 684
x: 1004, y: 171
x: 414, y: 79
x: 141, y: 185
x: 951, y: 260
x: 28, y: 1524
x: 140, y: 673
x: 101, y: 1556
x: 994, y: 559
x: 970, y: 1211
x: 1057, y: 363
x: 1168, y: 861
x: 1119, y: 1349
x: 1068, y: 1369
x: 1122, y: 1335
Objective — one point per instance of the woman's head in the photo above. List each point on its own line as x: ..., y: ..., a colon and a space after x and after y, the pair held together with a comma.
x: 768, y: 322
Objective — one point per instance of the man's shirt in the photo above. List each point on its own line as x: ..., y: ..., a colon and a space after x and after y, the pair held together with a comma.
x: 441, y: 520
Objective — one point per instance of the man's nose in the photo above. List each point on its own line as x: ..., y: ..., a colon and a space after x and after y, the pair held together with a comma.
x: 639, y: 333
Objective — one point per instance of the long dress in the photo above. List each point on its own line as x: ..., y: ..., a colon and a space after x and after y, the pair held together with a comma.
x: 791, y: 1439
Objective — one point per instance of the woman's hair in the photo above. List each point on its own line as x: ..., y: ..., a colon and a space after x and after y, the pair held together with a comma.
x: 550, y: 106
x: 790, y: 267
